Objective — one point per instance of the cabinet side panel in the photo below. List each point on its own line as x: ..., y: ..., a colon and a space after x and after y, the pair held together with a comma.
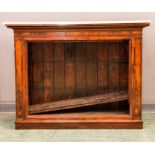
x: 124, y: 63
x: 135, y: 78
x: 21, y: 61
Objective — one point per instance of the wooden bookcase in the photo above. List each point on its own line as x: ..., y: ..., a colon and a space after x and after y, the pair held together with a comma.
x: 78, y: 75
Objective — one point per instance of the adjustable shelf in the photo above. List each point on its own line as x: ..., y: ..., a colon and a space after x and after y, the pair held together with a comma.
x: 78, y: 75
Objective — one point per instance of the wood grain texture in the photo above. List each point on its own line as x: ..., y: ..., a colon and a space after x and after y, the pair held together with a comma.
x: 59, y: 71
x: 79, y: 102
x: 36, y: 83
x: 69, y: 70
x: 81, y: 69
x: 135, y: 71
x: 21, y: 61
x: 123, y: 69
x: 78, y: 35
x: 81, y: 125
x: 91, y: 71
x: 48, y: 67
x: 103, y: 64
x: 102, y: 67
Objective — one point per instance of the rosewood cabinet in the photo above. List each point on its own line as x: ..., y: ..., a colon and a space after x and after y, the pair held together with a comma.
x: 78, y: 75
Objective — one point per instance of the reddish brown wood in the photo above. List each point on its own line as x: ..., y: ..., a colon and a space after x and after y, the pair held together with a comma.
x: 102, y: 67
x: 80, y: 65
x: 59, y: 71
x: 113, y: 70
x: 87, y: 67
x: 135, y: 78
x: 21, y: 61
x: 81, y: 125
x: 36, y: 83
x: 123, y: 81
x: 81, y: 116
x: 102, y: 70
x: 69, y: 70
x: 91, y: 71
x: 48, y: 68
x: 78, y: 102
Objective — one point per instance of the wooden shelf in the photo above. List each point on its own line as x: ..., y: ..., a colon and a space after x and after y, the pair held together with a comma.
x: 79, y: 102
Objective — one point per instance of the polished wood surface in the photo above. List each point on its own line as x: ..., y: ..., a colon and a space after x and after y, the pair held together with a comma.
x: 96, y: 59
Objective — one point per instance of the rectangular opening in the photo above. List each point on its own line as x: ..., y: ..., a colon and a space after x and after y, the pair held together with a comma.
x: 79, y: 75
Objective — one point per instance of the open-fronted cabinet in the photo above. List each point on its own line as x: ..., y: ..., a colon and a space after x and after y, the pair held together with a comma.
x: 78, y: 75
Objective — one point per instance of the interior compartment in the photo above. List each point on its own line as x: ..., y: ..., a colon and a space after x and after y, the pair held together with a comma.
x: 62, y: 70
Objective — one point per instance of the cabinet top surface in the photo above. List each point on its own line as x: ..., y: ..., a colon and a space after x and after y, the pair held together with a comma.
x: 79, y: 24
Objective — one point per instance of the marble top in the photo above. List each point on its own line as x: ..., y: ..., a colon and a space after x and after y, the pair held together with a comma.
x: 76, y: 22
